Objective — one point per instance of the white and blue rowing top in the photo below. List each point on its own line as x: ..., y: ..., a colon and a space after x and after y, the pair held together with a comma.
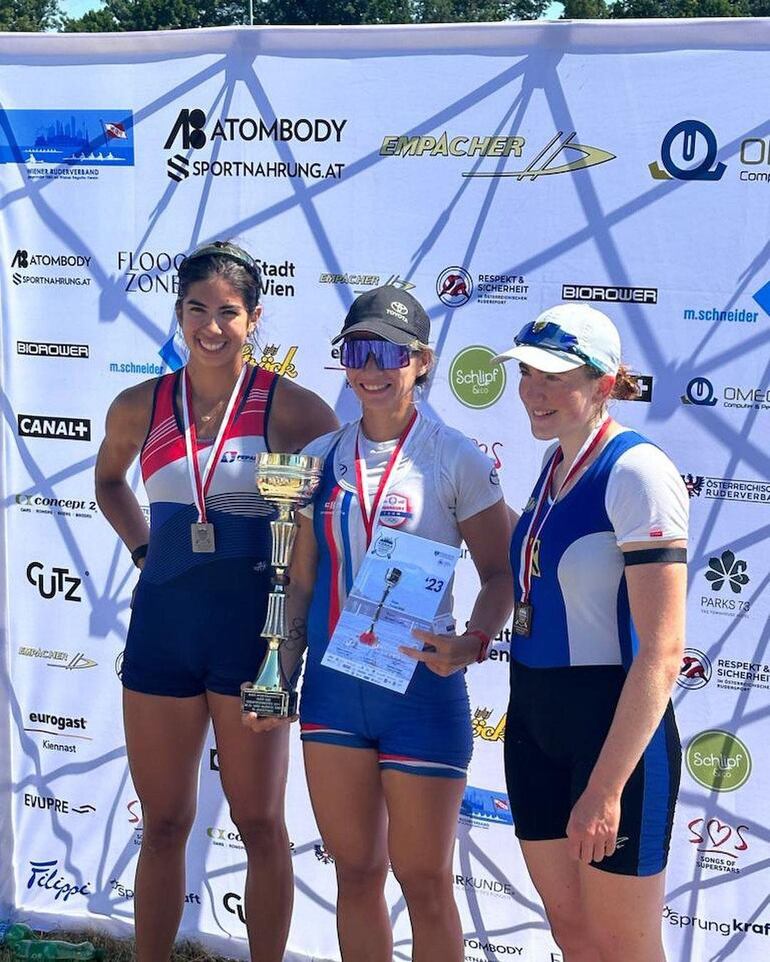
x: 630, y: 493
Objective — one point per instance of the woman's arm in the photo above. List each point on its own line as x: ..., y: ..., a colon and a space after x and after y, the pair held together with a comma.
x: 297, y: 417
x: 302, y: 576
x: 657, y: 594
x: 488, y: 536
x: 126, y: 427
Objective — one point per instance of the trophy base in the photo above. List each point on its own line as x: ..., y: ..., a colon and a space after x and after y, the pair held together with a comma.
x: 268, y: 702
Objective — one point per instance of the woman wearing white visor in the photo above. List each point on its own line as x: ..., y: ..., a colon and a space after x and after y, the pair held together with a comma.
x: 592, y: 750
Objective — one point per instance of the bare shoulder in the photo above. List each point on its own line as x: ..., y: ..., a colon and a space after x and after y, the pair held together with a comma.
x: 129, y: 414
x: 297, y: 417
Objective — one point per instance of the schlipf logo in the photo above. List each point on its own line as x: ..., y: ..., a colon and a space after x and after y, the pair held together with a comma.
x: 701, y: 392
x: 720, y: 845
x: 695, y: 670
x: 50, y: 349
x: 59, y: 806
x: 58, y: 659
x: 57, y: 581
x: 727, y: 489
x: 560, y: 147
x: 50, y: 426
x: 718, y: 760
x: 46, y: 875
x: 483, y: 807
x: 486, y: 728
x: 67, y: 145
x: 454, y: 286
x: 688, y: 152
x: 610, y: 295
x: 360, y: 282
x: 192, y: 131
x: 476, y: 381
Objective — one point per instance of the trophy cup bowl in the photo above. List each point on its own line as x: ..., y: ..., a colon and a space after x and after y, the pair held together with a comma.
x: 288, y: 481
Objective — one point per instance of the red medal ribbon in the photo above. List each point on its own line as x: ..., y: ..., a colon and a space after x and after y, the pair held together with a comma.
x: 201, y: 484
x: 536, y: 524
x: 370, y: 515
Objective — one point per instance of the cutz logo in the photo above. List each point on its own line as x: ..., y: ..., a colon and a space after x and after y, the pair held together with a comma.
x: 690, y: 131
x: 58, y: 581
x: 695, y: 670
x: 454, y: 286
x: 727, y: 568
x: 718, y: 760
x: 699, y: 391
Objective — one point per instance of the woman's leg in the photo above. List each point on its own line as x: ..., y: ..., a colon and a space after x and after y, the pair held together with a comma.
x: 423, y: 822
x: 349, y: 806
x: 624, y: 913
x: 556, y: 876
x: 253, y: 768
x: 164, y: 740
x: 597, y: 916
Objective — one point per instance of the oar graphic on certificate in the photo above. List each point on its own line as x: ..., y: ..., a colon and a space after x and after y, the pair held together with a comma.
x: 392, y: 577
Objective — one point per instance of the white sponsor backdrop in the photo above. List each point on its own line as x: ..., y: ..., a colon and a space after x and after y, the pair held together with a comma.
x: 104, y: 142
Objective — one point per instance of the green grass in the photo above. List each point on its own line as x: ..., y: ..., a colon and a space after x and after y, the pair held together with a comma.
x: 122, y: 950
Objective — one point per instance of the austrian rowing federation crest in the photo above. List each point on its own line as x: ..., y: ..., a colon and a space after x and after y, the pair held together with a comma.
x: 396, y: 510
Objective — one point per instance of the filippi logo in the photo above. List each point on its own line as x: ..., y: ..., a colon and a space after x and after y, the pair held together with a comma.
x: 190, y: 128
x: 718, y: 760
x: 696, y: 144
x: 45, y: 875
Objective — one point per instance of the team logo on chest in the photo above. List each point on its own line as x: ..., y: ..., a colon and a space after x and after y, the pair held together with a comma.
x: 396, y: 510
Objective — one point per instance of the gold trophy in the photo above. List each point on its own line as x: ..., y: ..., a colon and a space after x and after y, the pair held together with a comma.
x: 289, y: 481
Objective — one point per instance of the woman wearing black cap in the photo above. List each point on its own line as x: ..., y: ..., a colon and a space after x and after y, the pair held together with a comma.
x: 202, y: 593
x: 387, y: 770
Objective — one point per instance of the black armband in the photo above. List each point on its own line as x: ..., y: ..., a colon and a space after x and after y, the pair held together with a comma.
x: 651, y: 555
x: 139, y: 552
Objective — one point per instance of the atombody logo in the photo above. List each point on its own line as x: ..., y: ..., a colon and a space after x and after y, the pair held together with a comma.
x: 718, y: 760
x: 192, y: 131
x: 476, y: 381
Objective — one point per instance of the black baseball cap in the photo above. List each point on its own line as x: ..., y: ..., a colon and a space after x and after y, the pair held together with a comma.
x: 390, y: 313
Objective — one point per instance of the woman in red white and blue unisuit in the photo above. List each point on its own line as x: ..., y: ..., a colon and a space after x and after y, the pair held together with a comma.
x: 386, y: 770
x: 202, y: 593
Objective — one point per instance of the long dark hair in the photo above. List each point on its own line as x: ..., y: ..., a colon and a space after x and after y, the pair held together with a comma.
x: 226, y: 260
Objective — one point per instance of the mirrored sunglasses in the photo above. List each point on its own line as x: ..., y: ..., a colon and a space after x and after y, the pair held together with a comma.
x: 551, y: 337
x: 355, y: 353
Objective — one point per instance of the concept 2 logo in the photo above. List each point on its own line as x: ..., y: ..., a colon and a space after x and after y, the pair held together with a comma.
x: 691, y: 131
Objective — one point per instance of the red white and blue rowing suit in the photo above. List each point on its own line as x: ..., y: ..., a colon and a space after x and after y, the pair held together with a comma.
x: 196, y: 618
x: 441, y: 479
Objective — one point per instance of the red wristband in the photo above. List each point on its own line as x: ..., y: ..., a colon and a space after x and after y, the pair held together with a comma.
x: 484, y: 641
